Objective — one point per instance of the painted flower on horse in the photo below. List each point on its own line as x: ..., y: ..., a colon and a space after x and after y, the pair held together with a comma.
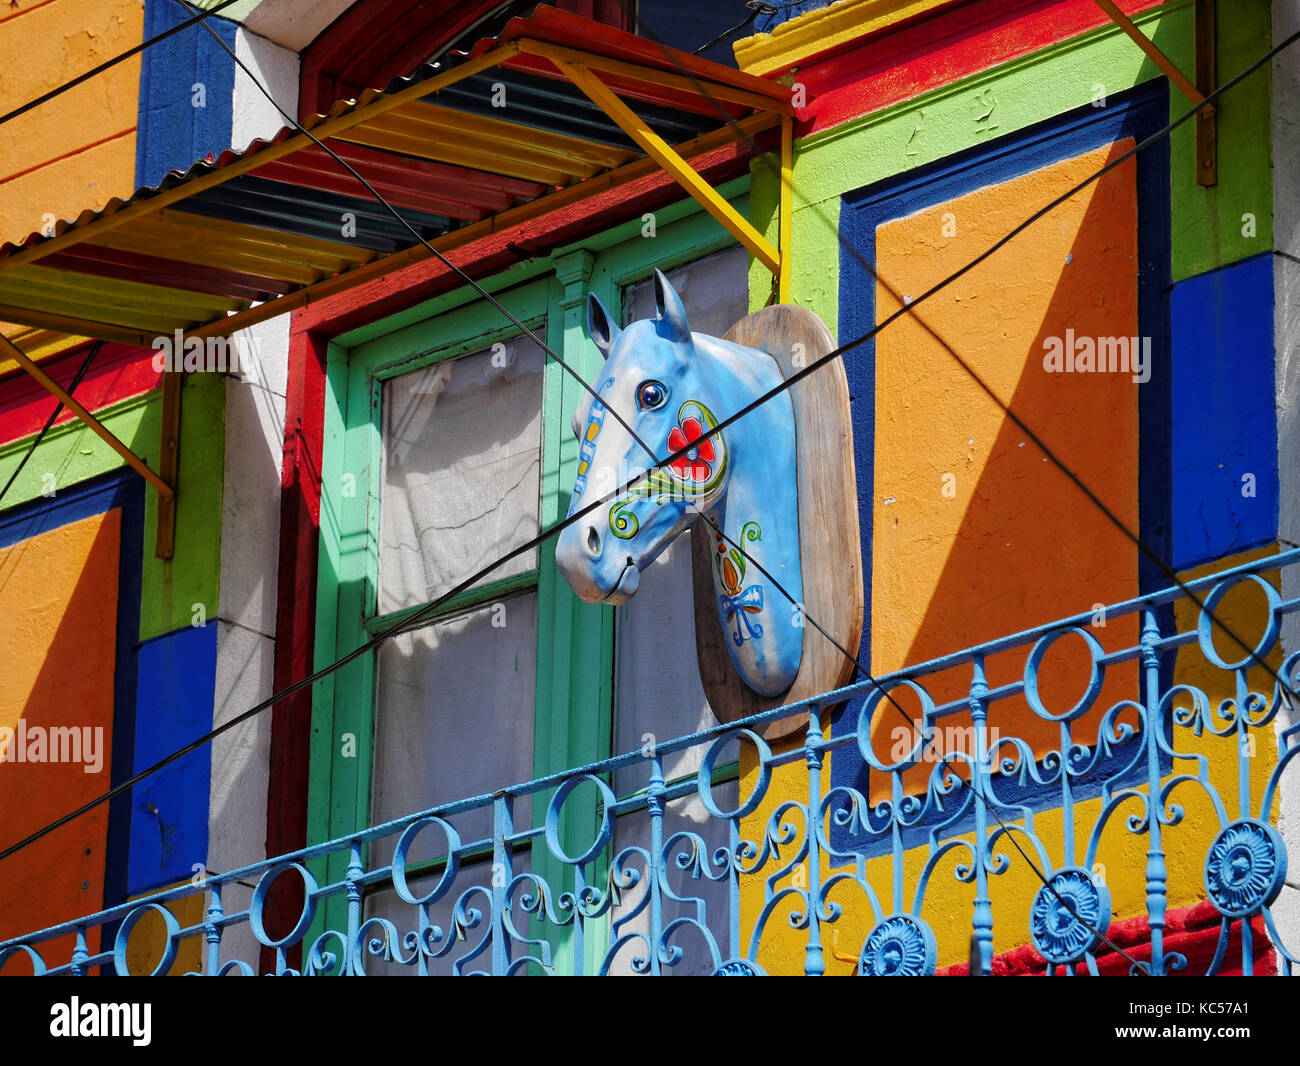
x: 696, y: 464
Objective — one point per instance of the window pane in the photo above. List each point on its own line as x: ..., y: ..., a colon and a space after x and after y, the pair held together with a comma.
x: 462, y: 458
x: 386, y: 903
x: 657, y: 679
x: 454, y: 715
x: 657, y: 686
x: 701, y: 899
x: 715, y: 291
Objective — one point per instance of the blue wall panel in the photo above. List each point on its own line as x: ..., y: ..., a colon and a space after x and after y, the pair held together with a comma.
x: 173, y: 133
x: 1224, y: 423
x: 169, y: 810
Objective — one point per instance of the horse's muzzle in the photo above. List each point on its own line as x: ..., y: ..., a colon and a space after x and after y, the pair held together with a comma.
x: 595, y: 574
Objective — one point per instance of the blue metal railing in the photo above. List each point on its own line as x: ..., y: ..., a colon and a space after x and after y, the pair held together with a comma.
x: 668, y: 860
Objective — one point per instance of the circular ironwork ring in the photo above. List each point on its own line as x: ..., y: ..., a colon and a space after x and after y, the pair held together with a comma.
x: 1245, y: 868
x: 739, y: 968
x: 900, y: 946
x: 1061, y: 922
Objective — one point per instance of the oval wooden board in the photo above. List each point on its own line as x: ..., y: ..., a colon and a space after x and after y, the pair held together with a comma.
x: 829, y: 538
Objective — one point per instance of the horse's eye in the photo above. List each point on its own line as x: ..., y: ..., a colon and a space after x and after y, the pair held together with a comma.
x: 651, y: 394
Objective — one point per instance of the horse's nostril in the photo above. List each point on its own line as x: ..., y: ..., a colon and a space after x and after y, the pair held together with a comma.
x: 593, y: 540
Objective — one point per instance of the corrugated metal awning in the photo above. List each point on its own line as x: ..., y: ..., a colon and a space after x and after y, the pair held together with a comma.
x: 256, y: 233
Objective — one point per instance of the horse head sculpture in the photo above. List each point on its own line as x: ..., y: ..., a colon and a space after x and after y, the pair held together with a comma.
x: 673, y: 387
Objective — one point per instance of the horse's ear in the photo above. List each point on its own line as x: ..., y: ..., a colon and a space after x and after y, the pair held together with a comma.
x: 604, y: 332
x: 672, y: 312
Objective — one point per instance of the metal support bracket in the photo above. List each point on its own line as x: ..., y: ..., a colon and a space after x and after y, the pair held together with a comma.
x: 166, y: 495
x: 663, y: 154
x: 1207, y: 167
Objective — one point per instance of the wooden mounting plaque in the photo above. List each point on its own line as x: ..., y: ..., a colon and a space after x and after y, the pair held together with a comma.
x: 829, y: 538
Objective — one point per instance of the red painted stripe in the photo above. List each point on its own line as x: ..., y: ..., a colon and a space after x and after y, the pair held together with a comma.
x: 148, y: 269
x: 411, y: 190
x: 117, y: 374
x: 1192, y: 932
x: 906, y: 62
x: 339, y: 181
x: 295, y: 622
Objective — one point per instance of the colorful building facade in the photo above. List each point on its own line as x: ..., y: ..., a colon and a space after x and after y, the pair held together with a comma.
x: 1120, y: 372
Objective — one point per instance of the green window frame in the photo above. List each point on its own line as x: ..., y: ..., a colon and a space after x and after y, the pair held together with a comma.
x: 574, y: 694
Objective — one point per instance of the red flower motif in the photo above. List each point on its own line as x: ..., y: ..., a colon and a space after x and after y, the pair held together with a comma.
x: 696, y: 464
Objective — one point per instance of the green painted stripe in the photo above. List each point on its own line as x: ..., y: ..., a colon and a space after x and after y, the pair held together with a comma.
x: 1207, y: 224
x: 575, y: 653
x: 72, y: 454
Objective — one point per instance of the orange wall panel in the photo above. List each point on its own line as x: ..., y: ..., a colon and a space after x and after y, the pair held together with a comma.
x: 58, y: 633
x: 977, y: 535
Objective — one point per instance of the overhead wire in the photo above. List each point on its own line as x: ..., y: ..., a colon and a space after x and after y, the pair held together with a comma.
x: 418, y: 619
x: 72, y: 83
x: 49, y: 422
x: 1074, y: 477
x: 908, y: 307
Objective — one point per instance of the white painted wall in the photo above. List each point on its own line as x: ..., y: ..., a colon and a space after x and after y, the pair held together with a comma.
x: 276, y: 68
x: 294, y: 23
x: 1286, y: 291
x: 250, y: 535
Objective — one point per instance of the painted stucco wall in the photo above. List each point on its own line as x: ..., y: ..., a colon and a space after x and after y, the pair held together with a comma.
x: 58, y: 615
x: 1286, y: 326
x: 250, y: 523
x: 1219, y: 375
x: 198, y: 642
x: 78, y: 150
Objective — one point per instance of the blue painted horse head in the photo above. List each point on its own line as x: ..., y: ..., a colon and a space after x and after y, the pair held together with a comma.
x: 672, y: 386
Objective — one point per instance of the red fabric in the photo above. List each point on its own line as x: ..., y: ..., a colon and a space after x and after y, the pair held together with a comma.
x: 1190, y: 931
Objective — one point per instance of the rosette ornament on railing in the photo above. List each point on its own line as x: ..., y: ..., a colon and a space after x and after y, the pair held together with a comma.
x: 1095, y: 796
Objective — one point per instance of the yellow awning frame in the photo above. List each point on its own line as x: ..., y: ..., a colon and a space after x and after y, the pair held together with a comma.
x: 587, y: 71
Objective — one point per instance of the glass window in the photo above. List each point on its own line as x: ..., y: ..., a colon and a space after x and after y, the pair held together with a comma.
x: 455, y: 699
x: 461, y: 466
x: 657, y: 688
x: 454, y: 714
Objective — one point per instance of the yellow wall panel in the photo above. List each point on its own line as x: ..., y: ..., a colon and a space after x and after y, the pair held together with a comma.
x: 78, y: 150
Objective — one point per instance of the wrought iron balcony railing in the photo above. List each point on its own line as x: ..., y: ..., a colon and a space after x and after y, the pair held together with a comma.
x: 854, y: 847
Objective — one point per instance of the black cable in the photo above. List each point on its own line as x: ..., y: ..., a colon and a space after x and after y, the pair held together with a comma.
x: 756, y: 8
x: 1141, y: 545
x: 418, y: 619
x: 421, y: 615
x: 908, y: 306
x: 497, y: 304
x: 31, y: 448
x: 60, y: 89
